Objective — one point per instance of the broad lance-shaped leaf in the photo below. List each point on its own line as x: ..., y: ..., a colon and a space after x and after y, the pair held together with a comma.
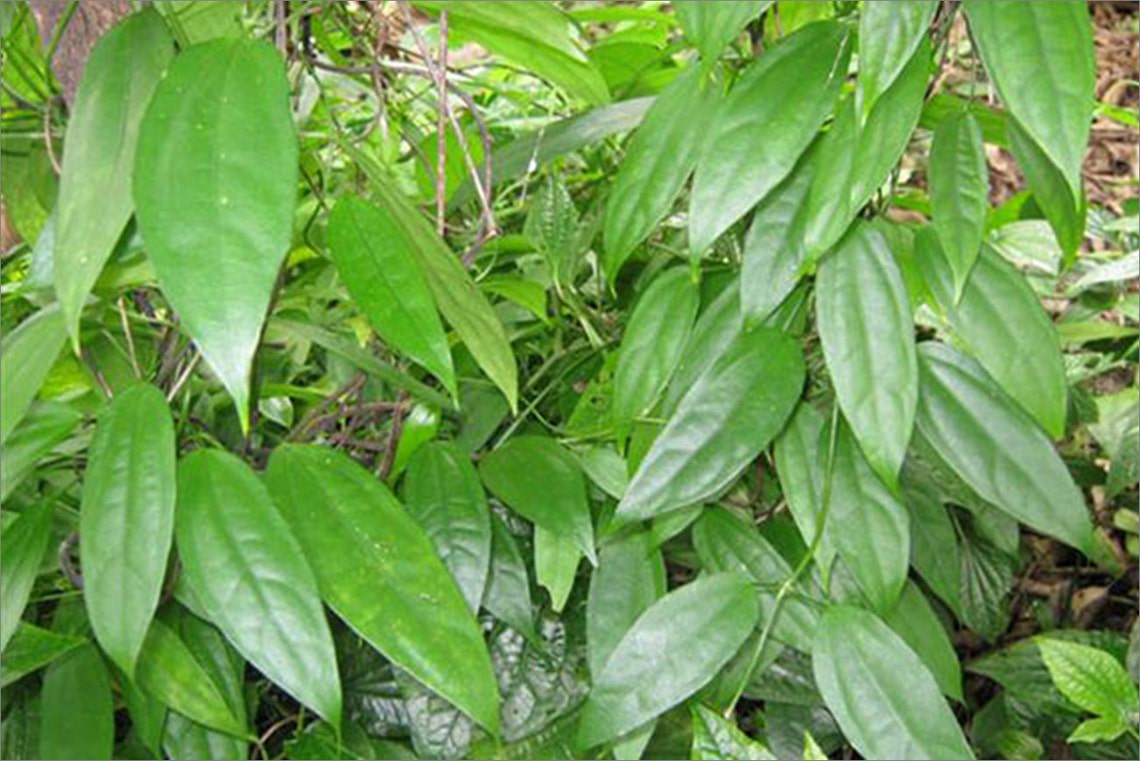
x: 801, y: 458
x: 443, y: 493
x: 959, y: 192
x: 543, y: 482
x: 889, y: 33
x: 728, y: 416
x: 25, y: 540
x: 99, y: 153
x: 630, y: 577
x: 864, y: 319
x: 126, y: 521
x: 652, y: 345
x: 881, y: 694
x: 388, y: 285
x: 996, y: 448
x: 770, y: 116
x: 1040, y: 57
x: 660, y: 157
x: 712, y: 24
x: 379, y: 572
x: 915, y: 621
x: 674, y: 648
x: 1000, y: 321
x: 248, y: 571
x: 77, y: 710
x: 26, y: 359
x: 215, y: 185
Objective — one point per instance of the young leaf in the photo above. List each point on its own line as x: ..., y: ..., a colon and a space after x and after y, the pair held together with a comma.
x: 1089, y: 677
x: 915, y: 621
x: 214, y: 187
x: 543, y: 482
x: 556, y: 559
x: 630, y: 577
x: 388, y: 285
x: 713, y: 24
x: 248, y: 571
x: 996, y: 448
x: 26, y: 359
x: 77, y: 709
x: 959, y: 193
x: 707, y: 620
x: 95, y: 203
x: 126, y: 522
x: 443, y: 493
x: 864, y: 319
x: 888, y: 36
x: 378, y: 570
x: 715, y: 738
x: 26, y: 540
x: 881, y: 694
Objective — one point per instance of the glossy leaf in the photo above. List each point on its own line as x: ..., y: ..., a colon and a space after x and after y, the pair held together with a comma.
x: 26, y: 540
x: 959, y: 193
x: 883, y: 697
x: 126, y: 522
x: 888, y: 36
x: 388, y: 285
x: 630, y: 577
x: 95, y: 203
x: 652, y: 345
x: 713, y: 25
x: 378, y: 570
x: 801, y: 457
x: 77, y: 708
x: 507, y: 596
x: 443, y: 493
x: 248, y: 571
x: 915, y: 621
x: 707, y: 620
x: 556, y: 559
x: 1089, y: 677
x: 770, y: 116
x: 730, y: 414
x: 715, y: 738
x: 25, y: 361
x: 996, y: 448
x: 46, y: 425
x: 32, y: 648
x: 543, y: 482
x: 1065, y: 212
x: 214, y: 187
x: 865, y: 326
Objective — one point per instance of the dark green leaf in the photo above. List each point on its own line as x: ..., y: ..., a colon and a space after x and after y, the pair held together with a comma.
x: 934, y: 550
x: 77, y: 709
x: 1065, y: 212
x: 915, y: 621
x: 507, y: 596
x: 888, y: 36
x: 32, y: 648
x: 986, y: 579
x: 959, y: 193
x: 800, y: 459
x: 712, y: 24
x: 25, y: 541
x: 630, y: 577
x: 25, y: 361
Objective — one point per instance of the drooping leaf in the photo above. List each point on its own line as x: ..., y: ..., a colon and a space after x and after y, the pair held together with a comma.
x: 556, y: 559
x: 888, y: 36
x: 959, y: 193
x: 707, y: 620
x: 25, y: 361
x: 95, y: 203
x: 249, y: 572
x: 915, y: 621
x: 25, y: 541
x: 214, y: 188
x: 880, y: 692
x: 800, y: 462
x: 77, y: 708
x: 1089, y: 677
x: 388, y: 285
x: 630, y: 577
x: 378, y: 570
x: 715, y: 738
x: 32, y: 648
x: 46, y: 425
x: 712, y: 25
x: 1064, y: 211
x: 507, y: 595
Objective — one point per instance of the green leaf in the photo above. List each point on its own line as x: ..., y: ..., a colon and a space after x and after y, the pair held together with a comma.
x: 652, y: 345
x: 800, y: 457
x: 870, y: 526
x: 1065, y: 212
x: 1098, y: 729
x: 728, y: 416
x: 1040, y: 57
x: 32, y: 648
x: 95, y: 203
x: 770, y: 116
x: 46, y: 425
x: 507, y: 596
x: 556, y: 559
x: 984, y: 587
x: 934, y: 550
x: 1090, y: 677
x: 246, y: 568
x: 1000, y: 321
x: 630, y: 577
x: 542, y: 481
x: 25, y: 541
x: 660, y: 157
x: 888, y: 36
x: 864, y: 319
x: 713, y: 24
x: 25, y: 361
x: 553, y: 226
x: 915, y: 621
x: 214, y: 186
x: 388, y: 285
x: 378, y: 570
x: 126, y: 523
x: 959, y: 192
x: 883, y: 696
x: 77, y: 709
x: 443, y: 493
x: 706, y: 620
x: 715, y: 738
x: 996, y: 448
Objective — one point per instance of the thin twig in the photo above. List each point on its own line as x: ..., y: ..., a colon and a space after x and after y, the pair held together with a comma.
x: 66, y: 564
x: 394, y: 438
x: 130, y: 337
x: 49, y: 142
x: 307, y: 422
x: 280, y: 32
x: 441, y: 129
x: 184, y: 376
x: 97, y: 373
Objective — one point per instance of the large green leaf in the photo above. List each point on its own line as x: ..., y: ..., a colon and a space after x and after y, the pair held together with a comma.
x: 652, y: 345
x: 1000, y: 321
x: 542, y: 481
x: 770, y: 117
x: 864, y: 319
x: 443, y: 493
x: 47, y: 424
x: 32, y: 648
x: 706, y: 621
x: 99, y: 153
x: 880, y: 692
x: 727, y: 417
x: 1041, y: 58
x: 889, y: 33
x: 25, y: 361
x: 388, y: 285
x: 249, y: 572
x: 996, y: 448
x: 800, y: 461
x: 25, y: 541
x: 126, y: 522
x: 712, y: 24
x: 1065, y: 212
x: 914, y: 619
x: 378, y: 570
x: 215, y: 185
x: 77, y: 718
x: 959, y: 192
x: 660, y: 157
x: 630, y: 577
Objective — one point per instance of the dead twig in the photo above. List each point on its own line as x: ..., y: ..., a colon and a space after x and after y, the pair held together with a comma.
x: 394, y: 438
x: 66, y: 563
